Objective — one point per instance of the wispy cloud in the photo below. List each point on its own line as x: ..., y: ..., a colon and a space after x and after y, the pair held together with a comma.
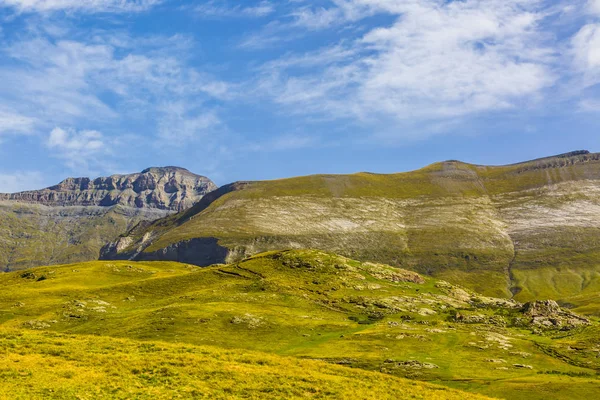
x: 77, y: 149
x: 67, y: 82
x: 20, y: 181
x: 180, y: 123
x: 80, y: 5
x: 585, y: 47
x: 590, y: 105
x: 437, y: 60
x: 218, y: 10
x: 594, y: 7
x: 15, y: 123
x: 285, y: 142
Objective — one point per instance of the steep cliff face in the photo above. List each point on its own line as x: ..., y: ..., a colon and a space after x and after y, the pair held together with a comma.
x: 168, y: 188
x: 511, y: 230
x: 71, y: 221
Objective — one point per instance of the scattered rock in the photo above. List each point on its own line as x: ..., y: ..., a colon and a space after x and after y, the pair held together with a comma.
x: 470, y: 319
x: 29, y: 275
x: 395, y: 275
x: 480, y: 319
x: 37, y: 325
x: 248, y: 319
x: 435, y: 330
x: 502, y: 341
x: 522, y: 366
x: 548, y: 314
x: 412, y: 364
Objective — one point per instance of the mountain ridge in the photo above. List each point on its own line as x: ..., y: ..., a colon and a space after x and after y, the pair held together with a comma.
x: 166, y: 188
x: 492, y: 228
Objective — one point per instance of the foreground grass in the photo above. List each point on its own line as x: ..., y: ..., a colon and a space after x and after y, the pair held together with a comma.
x: 58, y: 366
x: 310, y: 305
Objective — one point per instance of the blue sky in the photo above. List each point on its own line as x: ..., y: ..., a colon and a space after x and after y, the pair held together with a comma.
x: 268, y: 89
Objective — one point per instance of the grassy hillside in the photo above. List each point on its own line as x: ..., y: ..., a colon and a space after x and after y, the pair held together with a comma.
x: 47, y: 365
x: 306, y: 304
x: 488, y: 228
x: 33, y: 235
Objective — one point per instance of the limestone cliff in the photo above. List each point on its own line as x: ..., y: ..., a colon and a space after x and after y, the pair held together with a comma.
x: 168, y: 188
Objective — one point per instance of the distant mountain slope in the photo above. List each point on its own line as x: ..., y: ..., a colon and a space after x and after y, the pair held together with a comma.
x: 488, y: 227
x: 71, y: 221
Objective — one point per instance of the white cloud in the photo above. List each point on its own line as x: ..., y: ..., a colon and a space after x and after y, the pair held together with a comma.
x: 15, y: 123
x: 586, y: 53
x: 72, y: 141
x: 341, y: 11
x: 590, y: 105
x: 437, y: 60
x: 80, y: 5
x: 179, y: 124
x: 284, y: 143
x: 20, y: 181
x: 214, y: 9
x: 66, y: 83
x: 594, y: 7
x: 78, y: 149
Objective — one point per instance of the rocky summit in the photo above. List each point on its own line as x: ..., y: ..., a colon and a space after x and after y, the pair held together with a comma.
x: 70, y: 222
x: 167, y: 188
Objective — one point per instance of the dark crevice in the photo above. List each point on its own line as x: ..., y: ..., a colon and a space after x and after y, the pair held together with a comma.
x: 512, y: 287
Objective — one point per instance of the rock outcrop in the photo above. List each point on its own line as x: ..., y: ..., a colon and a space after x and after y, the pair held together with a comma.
x: 548, y: 314
x: 168, y: 188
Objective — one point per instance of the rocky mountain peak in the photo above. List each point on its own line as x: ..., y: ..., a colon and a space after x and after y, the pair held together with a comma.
x: 165, y: 170
x: 165, y: 188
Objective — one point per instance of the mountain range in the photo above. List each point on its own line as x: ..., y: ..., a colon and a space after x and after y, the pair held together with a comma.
x: 527, y: 231
x: 71, y: 221
x: 468, y: 280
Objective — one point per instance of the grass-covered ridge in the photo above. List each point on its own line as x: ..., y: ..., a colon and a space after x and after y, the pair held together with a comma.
x: 310, y: 305
x: 484, y: 227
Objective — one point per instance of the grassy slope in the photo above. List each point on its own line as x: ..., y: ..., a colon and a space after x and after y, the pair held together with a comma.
x: 476, y: 225
x: 33, y: 235
x: 45, y: 365
x: 309, y: 305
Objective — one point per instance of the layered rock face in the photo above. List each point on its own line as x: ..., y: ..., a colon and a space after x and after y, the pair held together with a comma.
x: 71, y: 221
x: 168, y: 188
